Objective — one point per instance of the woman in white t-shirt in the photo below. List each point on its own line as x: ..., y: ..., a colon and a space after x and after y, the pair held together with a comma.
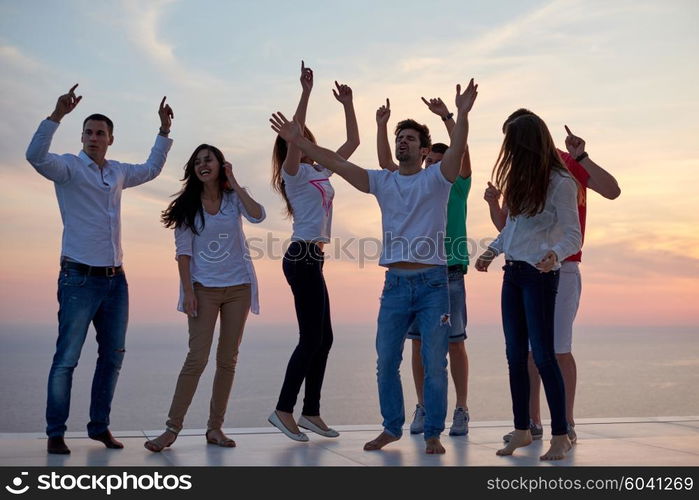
x: 541, y: 231
x: 217, y: 278
x: 308, y: 195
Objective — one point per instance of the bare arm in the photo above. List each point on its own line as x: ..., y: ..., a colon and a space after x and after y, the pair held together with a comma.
x: 252, y: 208
x: 293, y: 154
x: 383, y: 148
x: 344, y: 96
x: 292, y: 133
x: 451, y: 162
x: 497, y: 214
x: 600, y: 180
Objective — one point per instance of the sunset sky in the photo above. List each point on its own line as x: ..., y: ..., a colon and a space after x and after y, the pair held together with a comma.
x: 622, y: 75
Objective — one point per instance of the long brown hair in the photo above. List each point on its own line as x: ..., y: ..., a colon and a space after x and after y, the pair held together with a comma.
x: 187, y: 207
x: 278, y: 156
x: 523, y: 168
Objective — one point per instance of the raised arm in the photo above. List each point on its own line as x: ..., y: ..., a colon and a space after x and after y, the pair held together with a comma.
x: 50, y: 165
x: 600, y: 180
x: 383, y: 147
x: 498, y: 215
x: 135, y: 175
x: 253, y: 211
x: 293, y: 134
x: 437, y: 106
x: 451, y: 162
x: 344, y: 96
x: 293, y: 154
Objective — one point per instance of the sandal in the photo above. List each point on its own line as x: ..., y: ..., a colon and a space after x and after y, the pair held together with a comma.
x: 225, y: 442
x: 160, y: 443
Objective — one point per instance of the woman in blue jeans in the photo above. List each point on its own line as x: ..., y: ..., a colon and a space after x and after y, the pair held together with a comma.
x: 542, y: 229
x: 308, y: 196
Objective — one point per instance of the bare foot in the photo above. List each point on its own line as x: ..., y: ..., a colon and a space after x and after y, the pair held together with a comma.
x: 161, y: 442
x: 288, y: 421
x: 382, y: 440
x: 519, y: 439
x: 433, y: 446
x: 560, y: 445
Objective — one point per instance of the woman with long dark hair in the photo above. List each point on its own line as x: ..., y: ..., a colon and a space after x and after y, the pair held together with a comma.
x: 542, y: 229
x: 217, y: 279
x: 308, y: 196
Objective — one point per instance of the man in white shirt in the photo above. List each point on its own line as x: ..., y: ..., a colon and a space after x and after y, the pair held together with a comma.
x: 92, y: 286
x: 413, y: 206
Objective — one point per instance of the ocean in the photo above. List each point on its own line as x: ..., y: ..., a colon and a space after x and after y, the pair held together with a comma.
x: 622, y: 372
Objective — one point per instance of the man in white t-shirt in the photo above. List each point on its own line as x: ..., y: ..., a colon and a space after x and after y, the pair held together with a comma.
x: 413, y: 206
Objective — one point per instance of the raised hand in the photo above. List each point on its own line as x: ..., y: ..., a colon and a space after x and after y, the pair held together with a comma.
x: 548, y: 262
x: 65, y: 104
x: 343, y: 93
x: 166, y: 116
x: 289, y: 131
x: 485, y: 260
x: 228, y: 169
x: 437, y: 106
x: 574, y: 144
x: 464, y: 102
x: 492, y: 194
x: 383, y: 113
x: 306, y: 78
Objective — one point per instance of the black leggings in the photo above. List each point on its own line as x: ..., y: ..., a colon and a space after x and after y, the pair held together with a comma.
x: 303, y: 269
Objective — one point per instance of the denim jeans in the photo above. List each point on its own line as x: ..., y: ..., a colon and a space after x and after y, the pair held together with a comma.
x: 104, y: 302
x: 528, y: 304
x: 408, y: 296
x: 303, y: 269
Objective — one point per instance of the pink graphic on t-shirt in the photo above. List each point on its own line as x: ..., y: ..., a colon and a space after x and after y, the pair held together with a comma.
x: 325, y: 197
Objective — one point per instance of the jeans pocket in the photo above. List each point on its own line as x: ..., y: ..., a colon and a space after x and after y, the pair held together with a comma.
x: 70, y: 277
x: 437, y: 283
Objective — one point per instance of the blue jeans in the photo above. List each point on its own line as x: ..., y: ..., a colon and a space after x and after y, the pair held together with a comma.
x: 104, y: 302
x: 457, y: 307
x: 421, y: 296
x: 528, y: 305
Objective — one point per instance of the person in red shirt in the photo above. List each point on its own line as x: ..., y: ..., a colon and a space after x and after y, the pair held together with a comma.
x: 589, y: 175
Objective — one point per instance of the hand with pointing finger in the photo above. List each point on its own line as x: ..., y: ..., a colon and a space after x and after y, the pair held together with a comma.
x: 574, y: 144
x: 65, y: 104
x: 383, y: 113
x: 492, y: 194
x: 343, y: 93
x: 166, y: 116
x: 306, y: 78
x: 437, y: 106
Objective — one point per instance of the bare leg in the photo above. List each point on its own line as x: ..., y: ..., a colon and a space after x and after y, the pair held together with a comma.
x: 288, y: 421
x: 458, y: 362
x: 418, y: 371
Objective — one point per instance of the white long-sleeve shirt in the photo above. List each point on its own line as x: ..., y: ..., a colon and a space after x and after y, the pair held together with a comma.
x: 556, y: 228
x: 89, y: 198
x: 219, y: 253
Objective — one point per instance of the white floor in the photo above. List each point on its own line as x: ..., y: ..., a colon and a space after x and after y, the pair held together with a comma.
x: 660, y: 441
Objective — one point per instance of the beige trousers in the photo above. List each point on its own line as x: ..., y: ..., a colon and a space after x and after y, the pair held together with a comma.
x: 233, y: 303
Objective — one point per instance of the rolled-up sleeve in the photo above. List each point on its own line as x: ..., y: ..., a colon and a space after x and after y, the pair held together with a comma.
x: 565, y: 203
x: 184, y: 238
x: 136, y: 174
x: 50, y: 165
